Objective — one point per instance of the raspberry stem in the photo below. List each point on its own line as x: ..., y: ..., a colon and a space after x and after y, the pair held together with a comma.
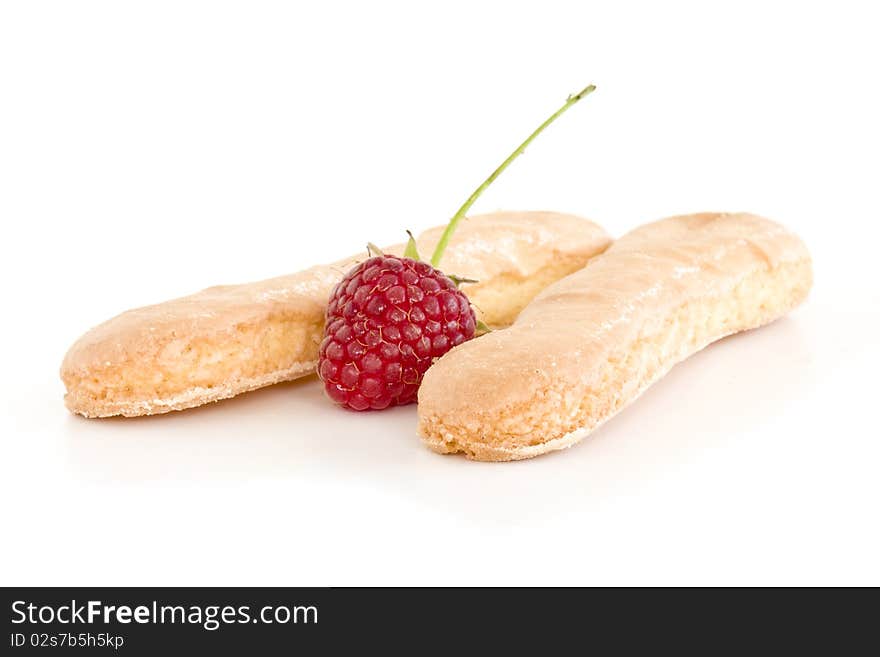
x: 453, y: 223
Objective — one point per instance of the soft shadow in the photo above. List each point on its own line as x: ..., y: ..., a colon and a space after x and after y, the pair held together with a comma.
x: 291, y: 430
x: 277, y: 431
x: 704, y: 403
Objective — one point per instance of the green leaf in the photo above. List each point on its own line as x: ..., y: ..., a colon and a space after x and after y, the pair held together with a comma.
x: 411, y: 251
x: 458, y: 280
x: 372, y: 250
x: 482, y: 328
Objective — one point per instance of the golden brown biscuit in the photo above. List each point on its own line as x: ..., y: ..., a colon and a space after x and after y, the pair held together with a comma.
x: 589, y: 344
x: 230, y: 339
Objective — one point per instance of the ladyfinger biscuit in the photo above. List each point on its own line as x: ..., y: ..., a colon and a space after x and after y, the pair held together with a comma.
x: 230, y: 339
x: 590, y: 343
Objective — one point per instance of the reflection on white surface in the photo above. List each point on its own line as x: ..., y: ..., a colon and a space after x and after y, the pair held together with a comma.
x: 730, y: 468
x: 291, y: 431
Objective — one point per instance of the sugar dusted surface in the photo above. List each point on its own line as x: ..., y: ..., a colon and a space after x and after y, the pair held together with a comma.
x: 591, y: 343
x: 234, y: 338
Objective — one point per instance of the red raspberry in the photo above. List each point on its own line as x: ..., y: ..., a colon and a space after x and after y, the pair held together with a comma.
x: 390, y: 317
x: 387, y: 321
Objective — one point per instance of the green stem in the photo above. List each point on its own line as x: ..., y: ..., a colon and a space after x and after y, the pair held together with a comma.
x: 453, y: 223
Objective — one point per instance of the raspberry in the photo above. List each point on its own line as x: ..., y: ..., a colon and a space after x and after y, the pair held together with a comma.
x: 390, y: 317
x: 387, y: 321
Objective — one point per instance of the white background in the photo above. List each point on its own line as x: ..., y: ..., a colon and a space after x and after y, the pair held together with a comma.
x: 150, y: 149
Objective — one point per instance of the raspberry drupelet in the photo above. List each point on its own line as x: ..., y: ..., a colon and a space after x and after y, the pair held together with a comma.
x: 387, y: 320
x: 391, y: 316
